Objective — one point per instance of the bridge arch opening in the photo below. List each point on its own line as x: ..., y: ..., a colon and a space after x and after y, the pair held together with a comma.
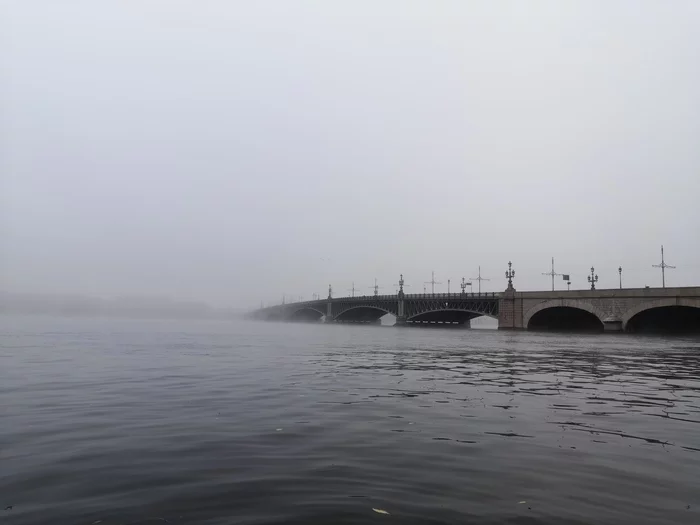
x: 673, y: 319
x: 361, y: 314
x: 305, y: 315
x: 565, y: 319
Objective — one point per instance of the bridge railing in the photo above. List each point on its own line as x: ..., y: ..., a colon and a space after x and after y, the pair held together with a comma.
x: 465, y: 295
x: 453, y: 296
x: 475, y: 295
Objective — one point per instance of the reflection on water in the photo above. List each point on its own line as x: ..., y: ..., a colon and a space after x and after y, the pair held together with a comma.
x: 119, y: 422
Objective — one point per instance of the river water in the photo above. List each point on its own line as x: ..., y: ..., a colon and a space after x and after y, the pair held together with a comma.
x: 139, y: 422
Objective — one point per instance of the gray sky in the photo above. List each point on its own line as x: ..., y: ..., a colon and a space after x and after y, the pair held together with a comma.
x: 230, y: 151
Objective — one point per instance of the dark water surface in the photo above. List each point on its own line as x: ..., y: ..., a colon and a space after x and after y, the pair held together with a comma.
x: 251, y: 423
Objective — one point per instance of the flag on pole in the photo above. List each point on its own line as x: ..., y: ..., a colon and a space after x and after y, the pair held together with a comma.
x: 566, y: 277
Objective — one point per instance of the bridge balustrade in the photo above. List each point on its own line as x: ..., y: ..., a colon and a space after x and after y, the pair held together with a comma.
x: 458, y: 295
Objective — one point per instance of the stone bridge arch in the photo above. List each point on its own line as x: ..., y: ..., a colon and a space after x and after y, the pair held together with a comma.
x: 658, y: 303
x: 562, y: 303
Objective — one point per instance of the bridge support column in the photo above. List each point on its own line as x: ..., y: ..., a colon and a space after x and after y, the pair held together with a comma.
x: 612, y: 324
x: 329, y: 312
x: 510, y: 311
x: 401, y: 317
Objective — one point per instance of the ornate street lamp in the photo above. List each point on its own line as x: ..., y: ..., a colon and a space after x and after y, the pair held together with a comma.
x: 593, y: 278
x: 509, y: 275
x: 619, y: 270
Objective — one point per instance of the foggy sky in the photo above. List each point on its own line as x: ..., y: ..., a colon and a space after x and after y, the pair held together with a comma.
x: 232, y: 151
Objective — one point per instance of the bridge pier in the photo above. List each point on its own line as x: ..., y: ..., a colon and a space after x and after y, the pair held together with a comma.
x: 612, y: 324
x: 510, y: 311
x: 401, y: 310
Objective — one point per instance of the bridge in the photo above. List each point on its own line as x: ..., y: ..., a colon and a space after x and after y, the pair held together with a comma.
x: 445, y: 309
x: 612, y: 310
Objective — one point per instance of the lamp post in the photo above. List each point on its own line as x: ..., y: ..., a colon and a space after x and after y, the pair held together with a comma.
x: 663, y: 267
x: 552, y: 273
x: 401, y: 284
x: 593, y: 278
x: 619, y: 270
x: 509, y: 275
x: 432, y: 282
x: 480, y: 278
x: 463, y: 285
x: 568, y: 285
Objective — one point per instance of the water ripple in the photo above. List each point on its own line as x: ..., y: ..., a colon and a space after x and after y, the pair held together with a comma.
x: 140, y: 422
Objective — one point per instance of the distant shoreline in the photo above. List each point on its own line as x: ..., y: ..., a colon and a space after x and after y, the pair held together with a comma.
x: 119, y: 307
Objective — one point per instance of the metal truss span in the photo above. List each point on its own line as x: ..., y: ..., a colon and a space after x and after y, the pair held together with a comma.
x: 364, y: 309
x: 449, y: 309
